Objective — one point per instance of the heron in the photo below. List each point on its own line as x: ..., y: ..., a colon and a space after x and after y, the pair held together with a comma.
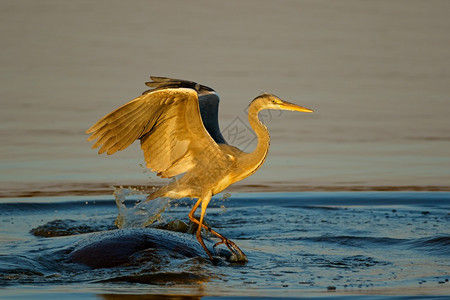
x: 177, y: 124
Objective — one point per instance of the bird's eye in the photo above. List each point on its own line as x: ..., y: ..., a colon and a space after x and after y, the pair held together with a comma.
x: 274, y: 101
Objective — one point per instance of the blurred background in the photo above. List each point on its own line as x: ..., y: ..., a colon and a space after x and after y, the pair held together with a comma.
x: 377, y: 74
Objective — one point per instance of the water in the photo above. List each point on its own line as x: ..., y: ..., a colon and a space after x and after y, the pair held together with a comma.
x: 141, y: 213
x: 310, y: 244
x: 376, y: 74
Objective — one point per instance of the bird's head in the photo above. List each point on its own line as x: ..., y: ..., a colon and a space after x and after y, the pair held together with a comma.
x: 269, y: 101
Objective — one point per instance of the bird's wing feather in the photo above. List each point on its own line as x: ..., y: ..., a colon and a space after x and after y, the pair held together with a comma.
x: 168, y: 122
x: 207, y: 98
x: 209, y: 111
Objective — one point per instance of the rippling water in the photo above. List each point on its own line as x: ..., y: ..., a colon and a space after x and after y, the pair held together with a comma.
x: 297, y: 244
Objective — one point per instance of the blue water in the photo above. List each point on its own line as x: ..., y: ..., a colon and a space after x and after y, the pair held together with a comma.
x: 298, y: 244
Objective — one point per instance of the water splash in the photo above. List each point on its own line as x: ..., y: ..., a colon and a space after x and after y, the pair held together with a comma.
x: 142, y: 213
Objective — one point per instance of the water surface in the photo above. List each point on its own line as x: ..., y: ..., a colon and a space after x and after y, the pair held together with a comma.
x: 298, y: 244
x: 375, y: 72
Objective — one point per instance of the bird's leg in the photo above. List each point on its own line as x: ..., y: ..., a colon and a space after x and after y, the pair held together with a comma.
x: 230, y: 244
x: 204, y: 201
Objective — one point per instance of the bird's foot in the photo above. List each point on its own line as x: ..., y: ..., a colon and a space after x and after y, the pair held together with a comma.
x: 237, y: 254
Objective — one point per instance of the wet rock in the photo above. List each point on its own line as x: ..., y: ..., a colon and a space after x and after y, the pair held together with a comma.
x: 132, y: 246
x: 68, y: 227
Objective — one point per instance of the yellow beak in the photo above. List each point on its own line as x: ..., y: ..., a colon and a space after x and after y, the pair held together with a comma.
x: 294, y: 107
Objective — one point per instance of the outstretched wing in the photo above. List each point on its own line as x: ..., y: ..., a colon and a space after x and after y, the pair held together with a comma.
x: 167, y: 121
x: 207, y: 98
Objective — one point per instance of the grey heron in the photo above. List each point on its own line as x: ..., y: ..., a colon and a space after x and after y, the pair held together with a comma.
x: 176, y: 122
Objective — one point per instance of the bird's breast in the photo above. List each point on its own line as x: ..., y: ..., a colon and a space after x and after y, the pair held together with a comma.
x: 222, y: 184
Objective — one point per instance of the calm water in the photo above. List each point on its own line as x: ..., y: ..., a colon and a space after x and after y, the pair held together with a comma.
x: 375, y: 72
x: 298, y: 244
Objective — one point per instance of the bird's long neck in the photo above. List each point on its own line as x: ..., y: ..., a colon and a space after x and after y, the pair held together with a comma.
x: 258, y: 156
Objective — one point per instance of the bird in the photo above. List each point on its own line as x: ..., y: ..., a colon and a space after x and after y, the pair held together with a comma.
x: 176, y: 122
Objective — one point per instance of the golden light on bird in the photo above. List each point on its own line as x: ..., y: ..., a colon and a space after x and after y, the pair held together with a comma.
x: 177, y: 124
x: 294, y: 107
